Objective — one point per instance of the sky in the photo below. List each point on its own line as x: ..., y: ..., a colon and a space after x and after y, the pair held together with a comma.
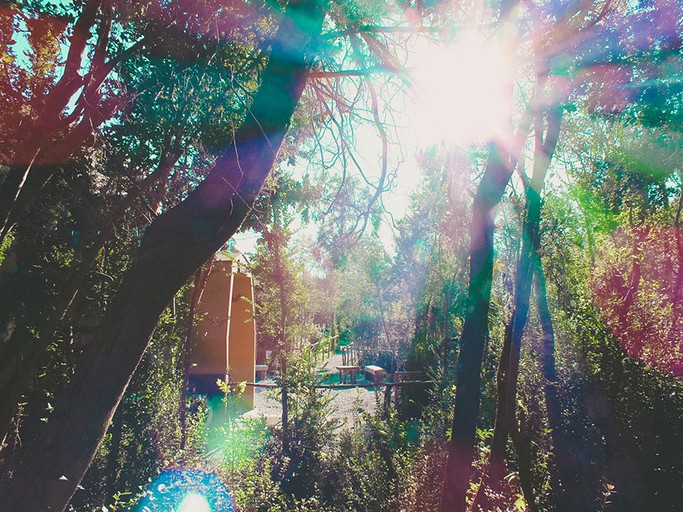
x: 456, y: 98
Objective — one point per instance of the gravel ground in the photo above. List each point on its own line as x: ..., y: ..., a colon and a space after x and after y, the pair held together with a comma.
x: 346, y: 404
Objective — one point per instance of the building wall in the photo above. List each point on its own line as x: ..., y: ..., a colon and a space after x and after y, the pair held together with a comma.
x: 242, y: 335
x: 210, y: 353
x: 225, y: 341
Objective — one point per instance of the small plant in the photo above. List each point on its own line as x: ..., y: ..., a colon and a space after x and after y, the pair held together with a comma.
x: 608, y: 490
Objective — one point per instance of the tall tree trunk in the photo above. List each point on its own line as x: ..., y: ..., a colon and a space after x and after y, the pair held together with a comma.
x: 508, y: 370
x: 565, y: 474
x: 285, y: 418
x: 44, y: 475
x: 509, y: 363
x: 475, y: 332
x: 499, y: 166
x: 275, y: 240
x: 522, y: 444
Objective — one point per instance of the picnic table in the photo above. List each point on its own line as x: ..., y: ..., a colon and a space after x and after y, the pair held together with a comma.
x: 346, y: 371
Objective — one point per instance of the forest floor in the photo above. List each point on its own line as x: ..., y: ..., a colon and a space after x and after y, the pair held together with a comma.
x: 346, y: 404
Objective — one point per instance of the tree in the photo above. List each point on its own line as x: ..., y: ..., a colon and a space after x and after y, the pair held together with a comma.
x: 545, y: 142
x: 475, y: 329
x: 145, y: 160
x: 173, y: 247
x: 601, y: 68
x: 52, y: 118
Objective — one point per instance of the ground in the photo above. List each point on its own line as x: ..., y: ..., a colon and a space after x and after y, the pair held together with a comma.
x: 346, y: 403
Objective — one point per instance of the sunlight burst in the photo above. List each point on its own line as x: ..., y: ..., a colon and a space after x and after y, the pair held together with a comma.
x: 194, y: 502
x: 461, y: 92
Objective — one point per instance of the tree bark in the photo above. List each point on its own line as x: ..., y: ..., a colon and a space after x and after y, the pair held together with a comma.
x: 565, y: 480
x: 45, y: 474
x: 475, y: 332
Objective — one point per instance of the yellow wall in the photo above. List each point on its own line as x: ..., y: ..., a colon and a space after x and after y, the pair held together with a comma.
x: 226, y: 332
x: 242, y: 335
x: 210, y: 353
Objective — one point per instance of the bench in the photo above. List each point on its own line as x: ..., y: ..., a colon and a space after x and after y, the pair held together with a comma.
x: 374, y: 373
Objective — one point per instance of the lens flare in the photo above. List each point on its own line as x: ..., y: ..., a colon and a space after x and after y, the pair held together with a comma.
x: 186, y: 490
x: 194, y: 502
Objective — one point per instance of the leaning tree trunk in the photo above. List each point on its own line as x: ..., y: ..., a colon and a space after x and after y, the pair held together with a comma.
x: 44, y: 475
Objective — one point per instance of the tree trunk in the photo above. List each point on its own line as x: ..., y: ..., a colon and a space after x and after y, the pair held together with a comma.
x: 522, y: 445
x: 44, y: 476
x: 565, y: 470
x: 475, y: 332
x: 499, y: 167
x: 508, y: 370
x: 275, y: 239
x: 285, y: 420
x: 509, y: 363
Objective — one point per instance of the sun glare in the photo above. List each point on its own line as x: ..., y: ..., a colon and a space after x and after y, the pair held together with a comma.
x: 194, y: 502
x: 461, y: 92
